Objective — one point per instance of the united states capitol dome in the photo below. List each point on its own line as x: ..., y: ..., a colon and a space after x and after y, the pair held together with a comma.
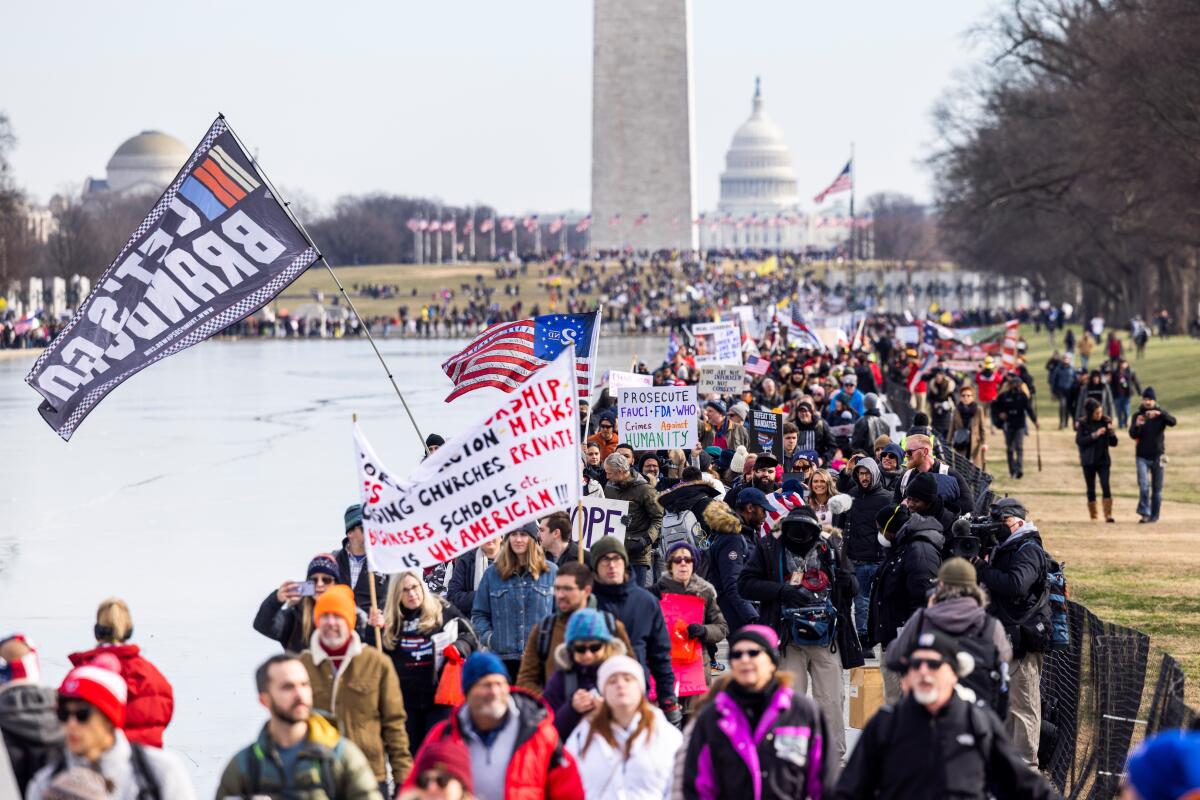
x: 146, y: 162
x: 758, y: 176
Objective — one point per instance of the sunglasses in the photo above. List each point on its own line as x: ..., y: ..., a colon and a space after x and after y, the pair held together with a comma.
x: 916, y: 450
x: 323, y: 580
x: 427, y: 779
x: 594, y: 647
x: 933, y: 663
x: 682, y: 560
x: 750, y: 652
x: 606, y: 427
x: 81, y: 714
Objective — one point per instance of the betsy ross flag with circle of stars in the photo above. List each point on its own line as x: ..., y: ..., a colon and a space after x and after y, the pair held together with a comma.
x: 507, y: 353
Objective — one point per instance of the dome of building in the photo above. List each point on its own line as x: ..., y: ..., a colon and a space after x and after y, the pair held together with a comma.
x: 758, y: 177
x: 146, y: 162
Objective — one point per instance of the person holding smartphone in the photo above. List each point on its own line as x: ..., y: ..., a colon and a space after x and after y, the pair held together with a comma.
x: 286, y: 615
x: 571, y: 690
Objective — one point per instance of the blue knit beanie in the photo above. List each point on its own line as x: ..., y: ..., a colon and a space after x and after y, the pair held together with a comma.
x: 354, y: 517
x: 1166, y: 766
x: 478, y: 666
x: 587, y: 624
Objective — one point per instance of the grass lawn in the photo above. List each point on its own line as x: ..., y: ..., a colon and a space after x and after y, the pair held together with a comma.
x: 1143, y: 576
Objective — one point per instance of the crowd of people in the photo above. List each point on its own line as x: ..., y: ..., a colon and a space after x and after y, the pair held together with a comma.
x: 529, y: 667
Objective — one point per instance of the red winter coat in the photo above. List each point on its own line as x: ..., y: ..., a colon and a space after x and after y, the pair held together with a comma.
x: 540, y: 768
x: 151, y: 700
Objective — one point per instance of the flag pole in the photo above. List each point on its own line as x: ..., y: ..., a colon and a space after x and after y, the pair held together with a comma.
x: 320, y: 257
x: 371, y: 580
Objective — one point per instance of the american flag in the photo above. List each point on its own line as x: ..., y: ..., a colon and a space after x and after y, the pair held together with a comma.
x: 556, y: 226
x: 412, y: 225
x: 507, y: 224
x: 423, y: 225
x: 614, y: 220
x: 929, y: 336
x: 798, y: 331
x: 757, y: 366
x: 506, y: 354
x: 28, y: 322
x: 583, y: 224
x: 468, y: 226
x: 434, y: 226
x: 842, y: 183
x: 485, y: 226
x: 782, y: 504
x: 919, y: 374
x: 448, y: 225
x: 642, y: 219
x: 530, y: 222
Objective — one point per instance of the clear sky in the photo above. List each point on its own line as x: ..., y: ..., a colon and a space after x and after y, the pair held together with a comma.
x: 468, y: 102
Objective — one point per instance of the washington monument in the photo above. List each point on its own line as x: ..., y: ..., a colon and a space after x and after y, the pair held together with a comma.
x: 643, y: 144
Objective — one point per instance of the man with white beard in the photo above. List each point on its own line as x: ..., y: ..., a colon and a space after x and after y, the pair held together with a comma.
x: 934, y: 744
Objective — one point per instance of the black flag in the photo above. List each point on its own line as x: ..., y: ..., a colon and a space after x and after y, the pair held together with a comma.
x: 216, y: 247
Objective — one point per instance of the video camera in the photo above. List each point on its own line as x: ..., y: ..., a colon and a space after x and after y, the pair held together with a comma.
x: 971, y: 537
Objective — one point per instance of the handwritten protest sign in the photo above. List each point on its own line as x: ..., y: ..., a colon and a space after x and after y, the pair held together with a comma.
x: 618, y: 380
x: 766, y: 433
x: 687, y: 655
x: 721, y: 379
x: 718, y: 343
x: 518, y: 464
x: 601, y: 517
x: 658, y: 418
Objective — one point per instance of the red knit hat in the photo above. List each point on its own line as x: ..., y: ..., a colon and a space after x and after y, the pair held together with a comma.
x: 100, y: 687
x: 448, y: 755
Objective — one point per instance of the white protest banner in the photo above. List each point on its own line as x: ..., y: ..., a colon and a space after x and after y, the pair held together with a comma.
x: 618, y: 380
x: 601, y: 517
x: 658, y: 418
x: 518, y: 464
x: 721, y: 379
x: 718, y: 343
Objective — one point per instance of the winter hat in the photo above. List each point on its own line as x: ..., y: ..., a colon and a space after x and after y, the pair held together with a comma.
x: 433, y: 440
x: 761, y: 635
x: 766, y: 461
x: 738, y: 462
x: 894, y: 450
x: 620, y: 665
x: 1009, y: 507
x: 1166, y: 766
x: 25, y: 667
x: 607, y: 545
x: 102, y: 688
x: 587, y: 623
x: 891, y: 519
x: 339, y: 600
x: 957, y: 572
x: 713, y: 451
x: 354, y: 517
x: 77, y: 783
x: 1149, y: 393
x: 923, y: 486
x: 850, y: 378
x: 871, y: 401
x: 683, y: 544
x: 479, y: 665
x: 741, y: 410
x: 447, y: 754
x: 323, y: 564
x: 717, y: 404
x: 947, y: 647
x: 725, y: 460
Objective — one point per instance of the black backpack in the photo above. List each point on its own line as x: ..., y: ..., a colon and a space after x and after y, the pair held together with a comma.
x: 987, y: 679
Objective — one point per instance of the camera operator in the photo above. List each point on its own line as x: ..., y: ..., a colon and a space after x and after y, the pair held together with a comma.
x: 1014, y: 576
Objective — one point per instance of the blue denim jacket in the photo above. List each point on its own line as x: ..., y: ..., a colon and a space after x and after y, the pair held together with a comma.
x: 506, y: 611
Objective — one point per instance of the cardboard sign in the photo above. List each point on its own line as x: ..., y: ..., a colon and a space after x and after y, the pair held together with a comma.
x: 687, y: 655
x: 618, y: 380
x: 718, y: 343
x: 721, y: 379
x: 601, y: 517
x: 658, y: 418
x: 766, y: 433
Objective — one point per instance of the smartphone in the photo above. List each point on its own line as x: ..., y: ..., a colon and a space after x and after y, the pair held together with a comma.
x: 307, y: 588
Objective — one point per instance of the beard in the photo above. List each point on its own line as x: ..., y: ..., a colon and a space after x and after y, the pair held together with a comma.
x: 297, y: 712
x: 925, y: 696
x: 764, y: 485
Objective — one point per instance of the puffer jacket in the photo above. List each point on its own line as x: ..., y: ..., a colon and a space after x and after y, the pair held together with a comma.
x: 862, y: 543
x: 727, y: 556
x: 328, y: 767
x: 365, y: 697
x: 608, y: 775
x: 505, y: 611
x: 151, y: 700
x: 645, y: 516
x: 908, y: 572
x: 29, y: 727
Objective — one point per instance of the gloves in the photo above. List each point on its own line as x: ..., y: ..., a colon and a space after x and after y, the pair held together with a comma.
x: 672, y: 711
x: 793, y: 595
x: 452, y: 654
x: 695, y: 630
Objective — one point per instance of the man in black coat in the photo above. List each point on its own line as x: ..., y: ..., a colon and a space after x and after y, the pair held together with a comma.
x: 1009, y: 413
x: 1148, y: 428
x: 862, y: 537
x: 352, y: 563
x: 918, y: 452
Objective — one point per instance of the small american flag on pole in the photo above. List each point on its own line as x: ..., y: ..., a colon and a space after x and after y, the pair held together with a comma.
x: 757, y: 366
x: 468, y: 226
x: 423, y: 225
x: 507, y: 224
x: 530, y: 222
x: 642, y: 219
x: 614, y: 220
x: 412, y: 225
x: 583, y: 224
x: 485, y: 226
x: 842, y: 183
x: 556, y: 226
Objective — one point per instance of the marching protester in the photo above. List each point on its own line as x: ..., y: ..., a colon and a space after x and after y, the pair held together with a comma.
x: 1148, y: 429
x: 91, y: 709
x: 933, y: 743
x: 352, y: 562
x: 1015, y: 580
x: 870, y: 426
x: 814, y: 439
x: 891, y: 457
x: 468, y: 574
x: 645, y: 514
x: 988, y: 379
x: 149, y: 698
x: 572, y: 592
x: 1009, y: 414
x: 805, y: 589
x: 758, y: 731
x: 594, y: 469
x: 918, y: 449
x: 571, y: 691
x: 623, y: 748
x: 957, y: 608
x: 821, y: 489
x: 554, y: 535
x: 513, y: 748
x: 734, y: 536
x: 968, y: 430
x: 515, y: 594
x: 1124, y: 384
x: 605, y: 437
x: 1094, y: 435
x: 1094, y: 388
x: 298, y: 753
x: 680, y: 578
x: 29, y: 728
x: 692, y: 494
x: 359, y: 686
x: 286, y: 615
x: 440, y: 772
x: 861, y: 537
x: 422, y: 633
x: 617, y: 594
